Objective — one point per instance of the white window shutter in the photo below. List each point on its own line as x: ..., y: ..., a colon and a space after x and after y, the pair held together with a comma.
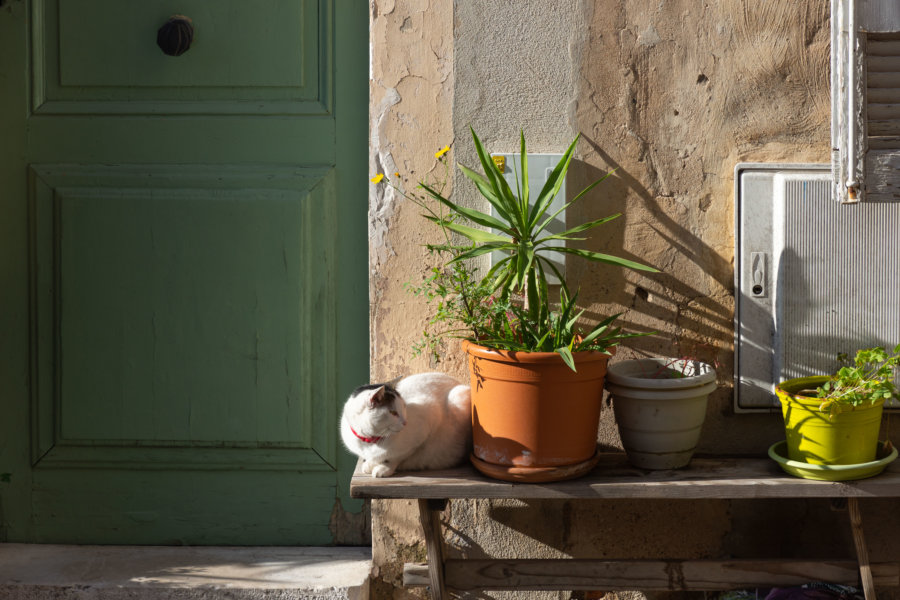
x: 865, y: 100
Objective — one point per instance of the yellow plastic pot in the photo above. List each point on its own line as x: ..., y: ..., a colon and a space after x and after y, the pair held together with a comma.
x: 849, y: 437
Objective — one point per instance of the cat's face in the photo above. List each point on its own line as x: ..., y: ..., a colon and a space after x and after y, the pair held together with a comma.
x: 381, y: 408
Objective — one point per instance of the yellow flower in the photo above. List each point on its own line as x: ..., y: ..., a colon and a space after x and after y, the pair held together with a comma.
x: 397, y: 174
x: 378, y: 178
x: 442, y: 152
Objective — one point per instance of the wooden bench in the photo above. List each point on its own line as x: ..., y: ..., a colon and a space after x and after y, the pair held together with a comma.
x: 705, y: 478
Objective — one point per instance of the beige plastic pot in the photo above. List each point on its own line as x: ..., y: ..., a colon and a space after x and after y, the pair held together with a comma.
x: 660, y: 406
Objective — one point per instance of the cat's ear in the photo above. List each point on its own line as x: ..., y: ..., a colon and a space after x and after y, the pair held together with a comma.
x: 376, y: 398
x: 393, y: 382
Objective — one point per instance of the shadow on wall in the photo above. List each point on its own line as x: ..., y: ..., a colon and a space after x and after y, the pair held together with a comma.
x: 667, y: 528
x: 792, y: 527
x: 665, y: 297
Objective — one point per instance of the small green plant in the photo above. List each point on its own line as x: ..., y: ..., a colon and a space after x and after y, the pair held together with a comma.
x: 867, y: 379
x: 510, y: 307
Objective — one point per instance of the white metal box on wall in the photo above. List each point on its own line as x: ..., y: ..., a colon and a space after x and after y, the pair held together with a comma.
x: 813, y: 277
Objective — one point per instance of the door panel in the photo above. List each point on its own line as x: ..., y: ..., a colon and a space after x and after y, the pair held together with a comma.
x: 180, y: 507
x: 184, y: 273
x: 114, y: 33
x: 246, y: 58
x: 180, y: 304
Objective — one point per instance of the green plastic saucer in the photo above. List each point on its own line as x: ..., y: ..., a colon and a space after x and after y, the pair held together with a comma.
x: 778, y: 453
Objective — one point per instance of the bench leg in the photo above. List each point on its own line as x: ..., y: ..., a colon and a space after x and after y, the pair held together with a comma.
x: 862, y: 553
x: 429, y: 515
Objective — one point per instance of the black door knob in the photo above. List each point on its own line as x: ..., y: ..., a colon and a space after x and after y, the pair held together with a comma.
x: 176, y: 35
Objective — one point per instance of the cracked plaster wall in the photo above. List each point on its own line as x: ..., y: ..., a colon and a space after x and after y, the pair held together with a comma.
x: 672, y: 94
x: 411, y: 88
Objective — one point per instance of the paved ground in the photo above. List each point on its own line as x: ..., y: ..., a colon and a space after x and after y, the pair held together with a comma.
x: 44, y: 572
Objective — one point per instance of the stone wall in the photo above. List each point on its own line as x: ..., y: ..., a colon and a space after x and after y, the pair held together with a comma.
x: 670, y: 94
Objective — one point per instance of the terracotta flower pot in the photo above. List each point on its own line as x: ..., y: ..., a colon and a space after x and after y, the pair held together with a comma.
x: 533, y: 418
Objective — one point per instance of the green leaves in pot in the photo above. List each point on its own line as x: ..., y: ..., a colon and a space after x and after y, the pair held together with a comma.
x: 510, y: 306
x: 867, y: 379
x: 522, y: 227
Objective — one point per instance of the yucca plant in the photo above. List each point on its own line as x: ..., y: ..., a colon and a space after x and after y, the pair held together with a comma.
x: 519, y: 231
x: 522, y: 226
x: 510, y: 307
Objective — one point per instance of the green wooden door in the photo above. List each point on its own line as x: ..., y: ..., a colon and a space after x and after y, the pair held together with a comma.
x: 183, y: 251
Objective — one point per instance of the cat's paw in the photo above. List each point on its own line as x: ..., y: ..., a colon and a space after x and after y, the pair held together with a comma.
x: 382, y: 471
x: 367, y: 467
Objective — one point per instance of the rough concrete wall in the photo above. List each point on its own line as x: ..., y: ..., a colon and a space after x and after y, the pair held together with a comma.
x: 517, y: 67
x: 672, y: 95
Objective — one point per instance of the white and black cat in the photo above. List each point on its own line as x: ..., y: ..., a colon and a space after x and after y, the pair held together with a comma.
x: 418, y: 422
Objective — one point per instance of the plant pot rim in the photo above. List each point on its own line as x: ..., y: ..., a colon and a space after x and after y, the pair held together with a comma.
x: 486, y: 353
x: 632, y: 373
x: 786, y: 392
x: 790, y: 387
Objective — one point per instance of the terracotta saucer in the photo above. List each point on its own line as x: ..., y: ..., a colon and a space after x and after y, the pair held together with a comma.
x: 534, y: 474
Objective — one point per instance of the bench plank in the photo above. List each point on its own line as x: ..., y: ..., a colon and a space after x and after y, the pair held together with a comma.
x: 613, y: 478
x: 647, y: 575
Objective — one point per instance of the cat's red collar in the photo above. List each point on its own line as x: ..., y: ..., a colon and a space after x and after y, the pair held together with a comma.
x: 368, y: 440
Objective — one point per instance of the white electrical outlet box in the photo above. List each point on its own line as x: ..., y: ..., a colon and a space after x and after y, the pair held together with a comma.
x: 813, y: 278
x: 540, y: 166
